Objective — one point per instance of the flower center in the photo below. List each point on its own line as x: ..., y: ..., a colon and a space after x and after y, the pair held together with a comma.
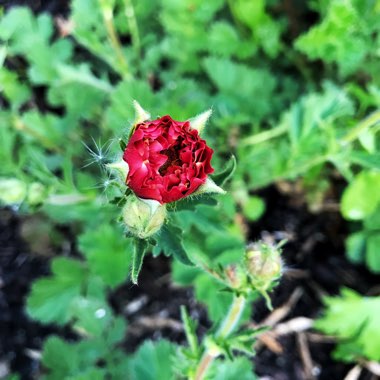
x: 173, y: 157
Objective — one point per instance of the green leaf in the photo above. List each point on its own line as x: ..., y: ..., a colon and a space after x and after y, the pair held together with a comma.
x: 108, y: 253
x: 253, y: 208
x: 153, y: 361
x: 77, y: 360
x: 51, y: 298
x: 223, y: 39
x: 209, y: 292
x: 169, y: 240
x: 140, y: 248
x: 355, y: 247
x: 240, y: 368
x: 59, y: 357
x: 373, y: 252
x: 362, y: 196
x: 221, y: 178
x: 190, y: 330
x: 15, y: 91
x: 191, y: 203
x: 370, y: 161
x: 92, y: 316
x: 354, y: 320
x: 340, y: 37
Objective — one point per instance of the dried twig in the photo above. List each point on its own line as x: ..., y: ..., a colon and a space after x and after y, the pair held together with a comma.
x: 354, y: 373
x: 305, y: 356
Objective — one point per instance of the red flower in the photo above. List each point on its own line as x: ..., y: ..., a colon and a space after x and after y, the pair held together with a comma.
x: 167, y: 160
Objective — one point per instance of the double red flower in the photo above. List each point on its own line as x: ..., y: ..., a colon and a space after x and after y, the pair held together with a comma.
x: 167, y: 160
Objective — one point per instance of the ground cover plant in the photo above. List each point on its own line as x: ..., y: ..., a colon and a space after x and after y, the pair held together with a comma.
x: 287, y: 96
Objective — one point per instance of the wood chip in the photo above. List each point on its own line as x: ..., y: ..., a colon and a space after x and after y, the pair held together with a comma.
x: 154, y: 323
x: 354, y: 373
x: 298, y: 324
x: 307, y: 361
x: 282, y: 311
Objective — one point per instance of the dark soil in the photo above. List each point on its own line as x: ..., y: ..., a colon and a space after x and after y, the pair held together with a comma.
x: 315, y: 262
x: 54, y: 7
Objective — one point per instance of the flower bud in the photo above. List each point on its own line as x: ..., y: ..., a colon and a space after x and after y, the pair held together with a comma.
x: 142, y: 217
x: 12, y: 191
x: 263, y: 264
x: 234, y: 276
x: 36, y: 193
x: 119, y: 167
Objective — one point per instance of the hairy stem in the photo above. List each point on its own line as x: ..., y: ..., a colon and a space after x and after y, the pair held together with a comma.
x: 368, y: 122
x: 227, y: 326
x: 133, y: 27
x: 107, y: 13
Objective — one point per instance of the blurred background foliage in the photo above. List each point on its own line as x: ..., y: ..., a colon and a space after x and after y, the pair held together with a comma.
x: 295, y: 94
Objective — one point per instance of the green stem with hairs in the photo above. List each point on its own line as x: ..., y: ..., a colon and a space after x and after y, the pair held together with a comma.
x: 107, y: 13
x: 227, y: 326
x: 367, y: 123
x: 133, y: 27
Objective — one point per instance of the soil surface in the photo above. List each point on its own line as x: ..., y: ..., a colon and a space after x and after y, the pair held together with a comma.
x: 315, y: 263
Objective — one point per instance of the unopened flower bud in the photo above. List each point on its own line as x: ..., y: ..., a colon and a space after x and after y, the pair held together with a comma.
x: 264, y: 265
x: 119, y: 167
x: 12, y: 191
x: 142, y: 217
x: 235, y: 276
x: 36, y: 193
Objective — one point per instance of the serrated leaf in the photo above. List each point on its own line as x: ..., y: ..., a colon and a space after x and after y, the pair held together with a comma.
x: 191, y: 203
x: 339, y: 37
x: 240, y: 368
x: 360, y: 328
x: 221, y: 178
x: 59, y: 357
x: 51, y: 298
x: 153, y: 361
x: 92, y: 316
x: 140, y: 247
x: 169, y: 240
x: 108, y: 252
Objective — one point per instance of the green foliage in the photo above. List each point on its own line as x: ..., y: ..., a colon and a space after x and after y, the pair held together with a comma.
x: 344, y: 36
x: 159, y: 356
x: 354, y: 205
x: 80, y: 360
x: 240, y: 368
x: 281, y: 114
x: 108, y: 253
x: 51, y: 298
x: 354, y: 320
x: 363, y: 245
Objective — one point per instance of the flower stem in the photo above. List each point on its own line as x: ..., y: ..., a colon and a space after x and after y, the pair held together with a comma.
x: 107, y: 13
x: 227, y: 326
x: 133, y: 27
x: 368, y: 122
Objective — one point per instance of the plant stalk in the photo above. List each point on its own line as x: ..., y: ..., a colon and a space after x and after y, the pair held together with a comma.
x: 227, y: 326
x: 368, y: 122
x: 107, y: 13
x: 133, y: 27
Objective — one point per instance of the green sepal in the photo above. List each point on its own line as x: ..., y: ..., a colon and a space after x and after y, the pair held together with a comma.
x: 122, y: 144
x: 191, y: 336
x: 169, y: 241
x: 138, y: 258
x: 221, y: 178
